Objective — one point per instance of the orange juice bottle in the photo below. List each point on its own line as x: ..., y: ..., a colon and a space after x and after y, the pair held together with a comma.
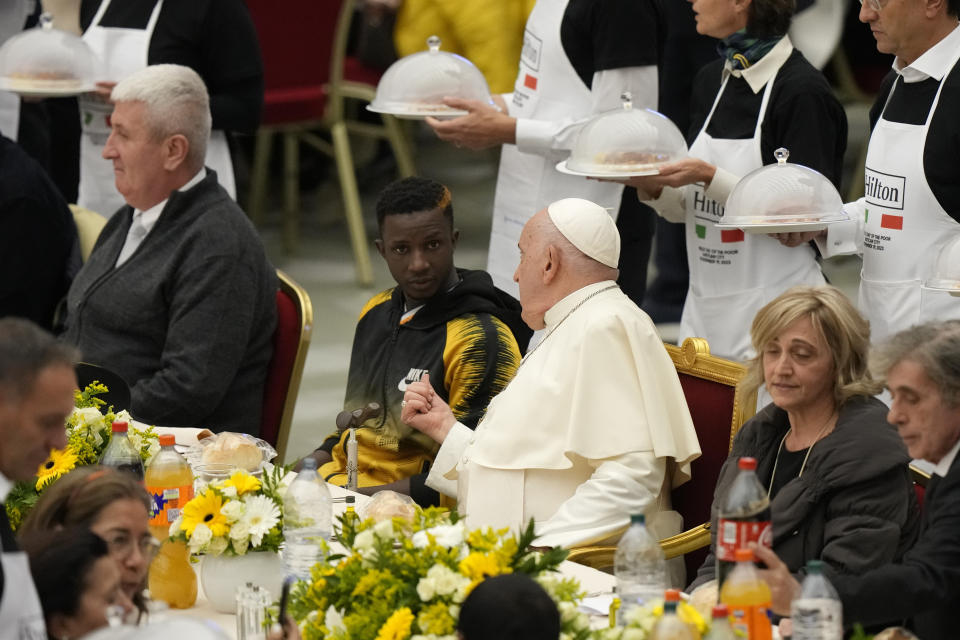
x: 169, y: 481
x: 748, y: 599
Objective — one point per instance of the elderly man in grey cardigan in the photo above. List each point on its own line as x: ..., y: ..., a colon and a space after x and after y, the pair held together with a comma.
x: 178, y: 296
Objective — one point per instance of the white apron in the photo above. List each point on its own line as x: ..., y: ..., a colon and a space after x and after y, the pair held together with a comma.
x: 547, y: 88
x: 124, y: 52
x: 21, y: 616
x: 733, y: 274
x: 13, y: 15
x: 903, y: 228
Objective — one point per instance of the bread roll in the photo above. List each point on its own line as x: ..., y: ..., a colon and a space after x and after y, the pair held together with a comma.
x: 233, y: 449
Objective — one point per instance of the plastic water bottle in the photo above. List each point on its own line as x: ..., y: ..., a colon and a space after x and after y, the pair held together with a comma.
x: 307, y: 515
x: 744, y: 518
x: 720, y: 628
x: 669, y: 626
x: 120, y: 453
x: 817, y: 614
x: 639, y: 567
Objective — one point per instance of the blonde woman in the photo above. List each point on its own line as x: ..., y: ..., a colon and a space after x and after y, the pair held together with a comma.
x: 836, y: 471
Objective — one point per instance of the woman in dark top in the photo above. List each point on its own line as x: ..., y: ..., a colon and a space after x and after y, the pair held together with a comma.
x: 762, y: 95
x: 836, y: 471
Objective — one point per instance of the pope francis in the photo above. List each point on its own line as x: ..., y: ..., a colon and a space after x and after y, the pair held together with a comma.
x: 594, y: 426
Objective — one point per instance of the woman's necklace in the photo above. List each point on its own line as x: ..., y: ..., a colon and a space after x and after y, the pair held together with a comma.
x: 557, y: 326
x: 776, y: 461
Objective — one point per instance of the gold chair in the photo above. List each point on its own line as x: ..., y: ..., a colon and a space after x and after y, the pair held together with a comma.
x: 89, y: 226
x: 718, y: 408
x: 291, y: 340
x: 308, y: 79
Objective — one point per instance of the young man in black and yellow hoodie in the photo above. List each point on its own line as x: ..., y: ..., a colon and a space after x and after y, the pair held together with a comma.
x: 448, y: 322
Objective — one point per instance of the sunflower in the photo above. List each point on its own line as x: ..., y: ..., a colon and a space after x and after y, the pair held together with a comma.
x: 243, y: 482
x: 205, y: 508
x: 59, y: 463
x: 397, y: 626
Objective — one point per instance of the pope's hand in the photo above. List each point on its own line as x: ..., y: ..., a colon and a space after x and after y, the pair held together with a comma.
x: 783, y: 586
x: 483, y: 126
x: 426, y: 411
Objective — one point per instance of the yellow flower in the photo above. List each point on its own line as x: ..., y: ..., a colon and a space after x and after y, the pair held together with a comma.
x: 205, y: 508
x: 436, y: 620
x: 689, y: 614
x: 56, y: 465
x: 478, y: 566
x: 397, y: 626
x: 243, y: 482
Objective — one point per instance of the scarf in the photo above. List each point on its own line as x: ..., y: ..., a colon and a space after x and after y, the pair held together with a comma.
x: 743, y: 51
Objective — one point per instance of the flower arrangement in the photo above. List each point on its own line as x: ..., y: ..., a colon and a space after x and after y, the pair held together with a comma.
x: 640, y: 621
x: 88, y: 433
x: 400, y: 580
x: 234, y: 516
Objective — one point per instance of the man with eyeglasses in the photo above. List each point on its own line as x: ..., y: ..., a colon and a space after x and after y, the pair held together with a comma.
x: 36, y: 395
x: 911, y: 202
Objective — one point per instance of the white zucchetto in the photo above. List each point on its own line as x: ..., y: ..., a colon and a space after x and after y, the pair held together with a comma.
x: 588, y: 227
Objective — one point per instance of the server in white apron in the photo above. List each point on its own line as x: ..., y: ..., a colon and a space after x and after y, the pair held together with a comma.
x: 216, y: 39
x: 577, y: 58
x: 44, y: 368
x: 13, y: 17
x: 762, y: 95
x: 911, y: 204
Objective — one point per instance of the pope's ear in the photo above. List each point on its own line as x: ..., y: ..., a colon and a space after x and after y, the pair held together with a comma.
x: 552, y: 266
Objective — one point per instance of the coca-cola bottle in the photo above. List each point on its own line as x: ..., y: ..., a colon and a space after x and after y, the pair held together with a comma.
x: 744, y: 518
x: 120, y: 453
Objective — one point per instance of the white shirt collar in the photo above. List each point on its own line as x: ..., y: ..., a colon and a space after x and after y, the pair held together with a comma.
x: 760, y: 73
x: 6, y: 486
x: 149, y: 217
x: 559, y: 311
x: 933, y: 63
x: 942, y: 467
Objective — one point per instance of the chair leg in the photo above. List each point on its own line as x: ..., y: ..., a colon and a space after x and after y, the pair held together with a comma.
x: 351, y: 203
x: 291, y: 191
x: 400, y: 146
x: 258, y: 177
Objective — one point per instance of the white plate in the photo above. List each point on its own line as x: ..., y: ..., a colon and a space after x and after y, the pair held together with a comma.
x: 778, y: 227
x: 45, y: 92
x: 562, y: 168
x: 413, y: 114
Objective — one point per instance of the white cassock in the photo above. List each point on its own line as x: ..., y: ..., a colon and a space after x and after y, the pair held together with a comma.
x: 593, y: 428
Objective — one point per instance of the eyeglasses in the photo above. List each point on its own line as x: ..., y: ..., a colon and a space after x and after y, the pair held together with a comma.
x: 122, y: 545
x: 876, y: 5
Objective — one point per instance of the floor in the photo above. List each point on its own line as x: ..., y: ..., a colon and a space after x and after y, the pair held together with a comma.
x: 323, y: 263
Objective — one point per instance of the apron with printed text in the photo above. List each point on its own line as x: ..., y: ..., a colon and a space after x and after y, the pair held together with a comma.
x: 21, y: 617
x: 904, y: 226
x: 124, y: 52
x: 733, y: 274
x: 547, y: 88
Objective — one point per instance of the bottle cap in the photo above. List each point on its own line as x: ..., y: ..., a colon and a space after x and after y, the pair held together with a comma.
x: 747, y: 464
x: 721, y: 611
x: 743, y: 555
x: 671, y: 595
x: 119, y: 427
x: 167, y: 440
x: 815, y: 566
x: 309, y: 463
x: 637, y: 518
x: 350, y: 499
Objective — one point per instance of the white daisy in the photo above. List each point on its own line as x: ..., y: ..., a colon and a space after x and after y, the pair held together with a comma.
x: 262, y: 515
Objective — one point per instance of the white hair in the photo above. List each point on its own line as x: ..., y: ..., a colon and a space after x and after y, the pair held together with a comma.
x: 177, y: 103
